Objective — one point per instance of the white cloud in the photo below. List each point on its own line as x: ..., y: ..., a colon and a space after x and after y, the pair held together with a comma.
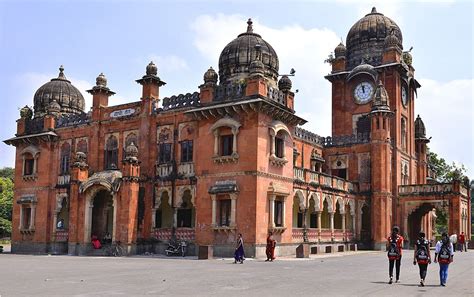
x: 446, y: 109
x: 303, y: 49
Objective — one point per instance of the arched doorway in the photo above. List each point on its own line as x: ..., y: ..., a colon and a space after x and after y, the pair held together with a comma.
x: 420, y: 220
x: 102, y: 215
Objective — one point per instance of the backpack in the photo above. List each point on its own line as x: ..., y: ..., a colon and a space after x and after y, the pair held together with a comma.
x: 393, y: 250
x: 444, y: 254
x: 422, y: 252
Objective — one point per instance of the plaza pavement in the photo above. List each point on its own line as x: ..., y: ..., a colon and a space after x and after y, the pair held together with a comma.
x: 344, y: 274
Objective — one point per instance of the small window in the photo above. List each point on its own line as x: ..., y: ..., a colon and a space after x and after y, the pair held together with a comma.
x: 185, y: 217
x: 299, y: 221
x: 224, y: 212
x: 65, y: 158
x: 313, y: 220
x: 278, y: 216
x: 226, y: 145
x: 158, y: 216
x: 165, y: 153
x: 111, y: 153
x: 26, y: 217
x: 187, y: 151
x: 29, y: 165
x: 279, y: 147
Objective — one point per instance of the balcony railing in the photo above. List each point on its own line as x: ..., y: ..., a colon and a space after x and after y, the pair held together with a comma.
x: 186, y: 169
x: 319, y: 178
x: 64, y: 180
x: 163, y: 170
x: 425, y: 189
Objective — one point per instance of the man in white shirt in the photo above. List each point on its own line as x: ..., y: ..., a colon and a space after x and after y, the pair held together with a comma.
x: 454, y: 239
x: 444, y: 255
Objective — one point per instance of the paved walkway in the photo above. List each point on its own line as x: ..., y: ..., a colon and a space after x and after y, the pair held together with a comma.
x: 351, y: 274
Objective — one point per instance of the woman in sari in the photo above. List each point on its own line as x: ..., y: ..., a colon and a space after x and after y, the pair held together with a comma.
x: 270, y: 250
x: 239, y: 250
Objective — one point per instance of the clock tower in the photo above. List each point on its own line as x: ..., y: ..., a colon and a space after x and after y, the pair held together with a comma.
x: 373, y: 58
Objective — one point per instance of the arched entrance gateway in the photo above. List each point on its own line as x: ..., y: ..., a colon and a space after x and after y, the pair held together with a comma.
x: 102, y: 217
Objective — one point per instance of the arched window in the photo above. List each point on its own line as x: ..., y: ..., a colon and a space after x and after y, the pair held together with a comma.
x: 82, y: 146
x: 279, y: 136
x: 65, y: 157
x: 225, y: 133
x: 111, y: 153
x: 30, y: 162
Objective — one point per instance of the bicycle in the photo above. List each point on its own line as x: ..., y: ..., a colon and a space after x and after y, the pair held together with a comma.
x: 115, y: 249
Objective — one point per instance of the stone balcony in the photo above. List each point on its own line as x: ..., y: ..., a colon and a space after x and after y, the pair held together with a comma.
x: 186, y: 169
x: 433, y: 189
x: 64, y: 180
x: 324, y: 180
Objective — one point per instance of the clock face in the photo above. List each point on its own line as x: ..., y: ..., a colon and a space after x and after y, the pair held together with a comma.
x: 404, y: 96
x: 363, y: 92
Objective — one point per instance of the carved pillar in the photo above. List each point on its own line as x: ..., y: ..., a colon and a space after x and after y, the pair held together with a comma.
x: 214, y: 207
x: 235, y: 131
x: 272, y: 143
x: 216, y: 142
x: 271, y: 223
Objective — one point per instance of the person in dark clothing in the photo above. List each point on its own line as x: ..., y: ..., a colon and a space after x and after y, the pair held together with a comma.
x: 422, y: 256
x: 394, y: 248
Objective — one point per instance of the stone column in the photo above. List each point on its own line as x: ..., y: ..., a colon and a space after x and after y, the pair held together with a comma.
x: 33, y: 214
x: 271, y: 223
x: 331, y: 221
x: 272, y: 144
x: 214, y: 207
x: 353, y: 224
x: 343, y: 214
x: 233, y: 207
x: 216, y: 142
x: 319, y: 224
x: 234, y: 142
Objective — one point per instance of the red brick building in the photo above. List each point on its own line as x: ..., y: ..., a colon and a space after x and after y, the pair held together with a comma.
x: 232, y: 158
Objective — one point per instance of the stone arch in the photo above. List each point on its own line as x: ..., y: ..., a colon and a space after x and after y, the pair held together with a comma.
x: 91, y: 193
x: 317, y: 200
x: 329, y: 201
x: 300, y: 196
x: 277, y: 126
x: 226, y: 122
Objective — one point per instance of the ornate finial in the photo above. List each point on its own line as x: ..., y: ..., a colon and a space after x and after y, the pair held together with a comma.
x: 101, y: 80
x: 61, y: 72
x: 249, y: 26
x: 210, y: 76
x: 374, y: 10
x: 151, y: 69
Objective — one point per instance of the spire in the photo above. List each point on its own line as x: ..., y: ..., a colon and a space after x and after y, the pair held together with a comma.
x: 249, y: 26
x: 381, y: 101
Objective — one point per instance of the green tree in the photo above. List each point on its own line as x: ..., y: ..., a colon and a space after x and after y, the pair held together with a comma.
x: 6, y: 206
x: 445, y: 173
x: 7, y: 172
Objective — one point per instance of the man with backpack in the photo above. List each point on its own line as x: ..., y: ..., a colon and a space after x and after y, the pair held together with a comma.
x: 422, y: 256
x: 394, y: 248
x: 444, y: 255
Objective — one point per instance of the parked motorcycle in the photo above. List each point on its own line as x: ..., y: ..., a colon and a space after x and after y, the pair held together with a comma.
x: 176, y: 248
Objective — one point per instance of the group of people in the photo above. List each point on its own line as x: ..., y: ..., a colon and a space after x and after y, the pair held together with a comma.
x: 239, y: 255
x: 459, y: 242
x: 444, y: 254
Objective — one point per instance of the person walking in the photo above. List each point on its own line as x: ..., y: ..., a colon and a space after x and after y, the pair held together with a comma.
x: 462, y: 242
x: 270, y: 249
x: 454, y: 240
x: 444, y: 254
x: 239, y: 250
x: 422, y: 256
x: 394, y: 248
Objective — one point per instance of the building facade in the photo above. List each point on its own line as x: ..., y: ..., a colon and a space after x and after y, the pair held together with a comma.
x: 233, y: 158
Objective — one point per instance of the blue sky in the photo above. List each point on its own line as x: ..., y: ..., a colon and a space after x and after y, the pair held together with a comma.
x: 184, y: 38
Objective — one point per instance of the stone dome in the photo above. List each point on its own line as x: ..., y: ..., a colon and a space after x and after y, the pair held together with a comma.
x: 381, y: 100
x: 63, y: 92
x: 367, y: 36
x: 340, y: 50
x: 151, y: 69
x: 210, y: 76
x: 284, y: 84
x: 236, y: 57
